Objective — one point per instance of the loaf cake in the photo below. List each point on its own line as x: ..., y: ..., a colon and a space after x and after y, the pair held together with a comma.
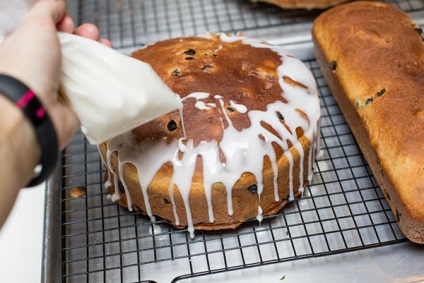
x: 372, y: 56
x: 303, y: 4
x: 243, y: 143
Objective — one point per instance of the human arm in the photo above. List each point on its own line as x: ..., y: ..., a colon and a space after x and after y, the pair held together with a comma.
x: 31, y: 54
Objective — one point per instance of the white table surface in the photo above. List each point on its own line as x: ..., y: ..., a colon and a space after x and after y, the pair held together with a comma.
x: 21, y: 238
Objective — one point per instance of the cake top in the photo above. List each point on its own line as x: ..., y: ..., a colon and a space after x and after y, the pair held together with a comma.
x: 243, y: 101
x: 201, y: 69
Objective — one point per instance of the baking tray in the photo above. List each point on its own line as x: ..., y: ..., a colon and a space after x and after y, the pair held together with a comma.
x: 343, y: 212
x: 129, y: 23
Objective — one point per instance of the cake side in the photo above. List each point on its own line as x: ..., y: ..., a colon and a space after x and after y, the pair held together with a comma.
x: 244, y: 195
x: 372, y: 58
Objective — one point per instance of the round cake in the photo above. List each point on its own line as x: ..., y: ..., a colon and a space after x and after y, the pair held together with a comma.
x: 242, y: 145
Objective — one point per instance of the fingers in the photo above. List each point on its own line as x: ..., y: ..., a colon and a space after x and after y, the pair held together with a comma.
x: 88, y: 30
x: 92, y: 32
x: 56, y: 10
x: 106, y: 42
x: 66, y: 24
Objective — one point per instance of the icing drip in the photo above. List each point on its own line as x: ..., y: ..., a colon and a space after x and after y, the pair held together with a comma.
x: 239, y: 107
x: 260, y: 216
x: 244, y: 150
x: 289, y: 157
x: 115, y: 196
x: 200, y: 104
x: 185, y: 167
x: 121, y: 177
x: 108, y: 182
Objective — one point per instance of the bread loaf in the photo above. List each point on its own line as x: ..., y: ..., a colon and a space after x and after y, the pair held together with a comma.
x: 372, y: 56
x: 250, y: 115
x: 303, y: 4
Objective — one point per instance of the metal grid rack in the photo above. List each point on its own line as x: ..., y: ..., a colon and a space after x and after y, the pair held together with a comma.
x: 129, y: 23
x: 342, y: 210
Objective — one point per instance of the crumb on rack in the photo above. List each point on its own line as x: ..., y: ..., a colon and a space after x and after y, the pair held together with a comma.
x: 77, y: 192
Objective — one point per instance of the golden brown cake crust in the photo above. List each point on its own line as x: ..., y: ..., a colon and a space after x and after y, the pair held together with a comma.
x: 303, y: 4
x: 372, y: 56
x: 231, y: 71
x: 243, y: 198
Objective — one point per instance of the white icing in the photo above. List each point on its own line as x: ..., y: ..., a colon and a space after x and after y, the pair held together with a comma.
x: 244, y: 150
x: 116, y: 196
x: 182, y: 123
x: 197, y: 96
x: 155, y: 229
x: 181, y: 146
x: 124, y: 184
x: 260, y: 216
x: 202, y: 106
x: 239, y: 107
x: 108, y: 184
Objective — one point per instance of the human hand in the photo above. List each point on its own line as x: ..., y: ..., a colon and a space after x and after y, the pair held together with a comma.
x: 32, y: 54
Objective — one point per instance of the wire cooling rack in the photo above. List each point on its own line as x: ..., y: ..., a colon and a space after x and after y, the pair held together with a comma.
x: 342, y: 210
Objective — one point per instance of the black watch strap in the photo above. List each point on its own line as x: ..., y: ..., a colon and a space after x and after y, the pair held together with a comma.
x: 25, y: 99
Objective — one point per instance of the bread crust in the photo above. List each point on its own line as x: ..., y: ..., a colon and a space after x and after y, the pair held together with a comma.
x: 372, y: 58
x: 303, y: 4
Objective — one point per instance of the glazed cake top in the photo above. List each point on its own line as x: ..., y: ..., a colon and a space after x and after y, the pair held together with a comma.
x: 243, y: 100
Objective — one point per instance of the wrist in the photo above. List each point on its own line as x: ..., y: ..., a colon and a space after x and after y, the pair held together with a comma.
x: 42, y: 126
x: 19, y: 143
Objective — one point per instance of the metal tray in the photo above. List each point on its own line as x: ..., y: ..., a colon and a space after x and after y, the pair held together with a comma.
x: 342, y: 216
x: 130, y: 23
